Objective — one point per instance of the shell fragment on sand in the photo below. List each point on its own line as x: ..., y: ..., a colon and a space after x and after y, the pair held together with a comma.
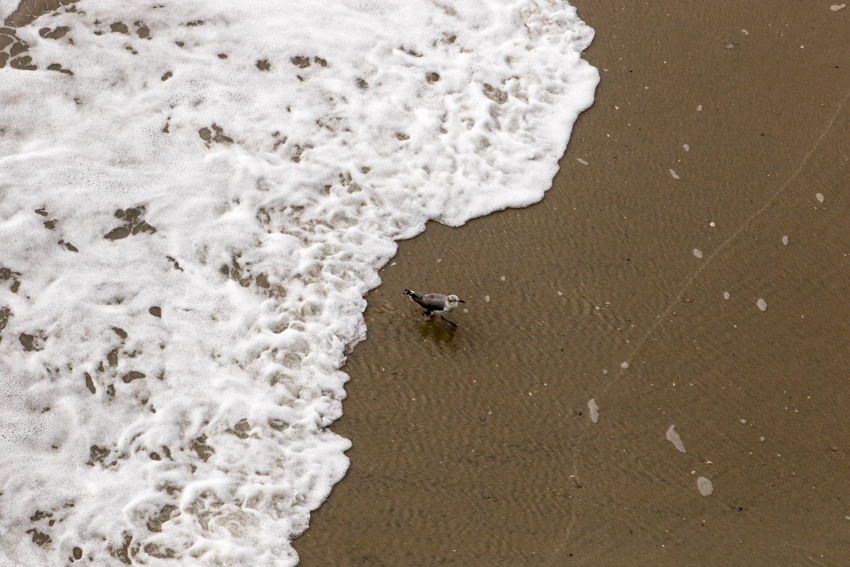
x: 674, y: 438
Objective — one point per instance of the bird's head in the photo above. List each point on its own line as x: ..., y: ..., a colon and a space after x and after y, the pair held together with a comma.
x: 455, y: 299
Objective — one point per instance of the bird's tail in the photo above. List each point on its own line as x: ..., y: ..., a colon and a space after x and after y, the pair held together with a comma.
x: 413, y: 294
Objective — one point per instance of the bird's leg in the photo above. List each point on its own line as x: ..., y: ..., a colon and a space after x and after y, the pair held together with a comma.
x: 447, y: 321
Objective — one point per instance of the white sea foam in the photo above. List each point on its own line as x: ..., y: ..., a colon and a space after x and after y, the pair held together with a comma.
x: 704, y: 486
x: 594, y: 410
x: 675, y: 439
x: 170, y: 362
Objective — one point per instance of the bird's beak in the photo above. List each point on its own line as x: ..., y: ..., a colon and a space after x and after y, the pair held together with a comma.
x: 461, y: 301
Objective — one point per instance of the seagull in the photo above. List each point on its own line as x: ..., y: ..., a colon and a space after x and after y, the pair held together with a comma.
x: 435, y: 303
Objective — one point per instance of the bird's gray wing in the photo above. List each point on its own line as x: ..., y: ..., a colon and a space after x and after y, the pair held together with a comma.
x: 433, y: 301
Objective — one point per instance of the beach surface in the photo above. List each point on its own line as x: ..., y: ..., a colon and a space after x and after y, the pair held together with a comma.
x: 716, y: 160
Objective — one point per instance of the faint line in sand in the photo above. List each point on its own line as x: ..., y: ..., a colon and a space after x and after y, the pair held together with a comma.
x: 678, y: 298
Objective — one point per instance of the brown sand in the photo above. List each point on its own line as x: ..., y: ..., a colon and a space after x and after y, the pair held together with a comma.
x: 474, y: 447
x: 14, y: 49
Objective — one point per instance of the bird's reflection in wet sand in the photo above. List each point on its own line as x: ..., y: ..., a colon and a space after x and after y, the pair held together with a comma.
x: 439, y: 333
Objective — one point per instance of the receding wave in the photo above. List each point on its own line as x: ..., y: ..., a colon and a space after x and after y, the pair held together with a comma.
x: 194, y: 197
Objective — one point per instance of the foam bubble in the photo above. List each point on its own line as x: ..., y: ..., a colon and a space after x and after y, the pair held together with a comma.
x: 674, y: 174
x: 675, y: 439
x: 785, y: 240
x: 245, y: 168
x: 594, y: 410
x: 726, y: 295
x: 819, y: 197
x: 698, y: 253
x: 704, y: 486
x: 624, y: 365
x: 762, y: 304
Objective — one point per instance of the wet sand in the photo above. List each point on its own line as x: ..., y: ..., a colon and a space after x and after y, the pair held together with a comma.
x: 475, y: 447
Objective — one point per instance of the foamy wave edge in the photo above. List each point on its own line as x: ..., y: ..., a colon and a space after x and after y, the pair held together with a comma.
x: 190, y: 221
